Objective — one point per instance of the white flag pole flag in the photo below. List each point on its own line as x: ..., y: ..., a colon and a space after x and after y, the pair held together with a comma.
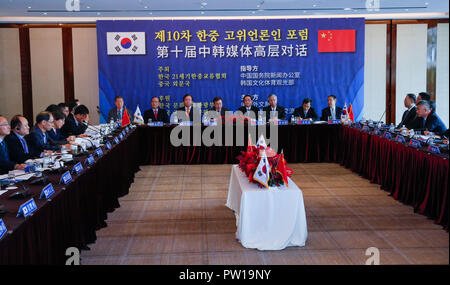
x: 261, y: 142
x: 138, y: 119
x: 262, y: 172
x: 125, y: 43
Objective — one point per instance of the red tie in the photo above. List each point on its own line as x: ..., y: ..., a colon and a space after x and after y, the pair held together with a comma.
x: 156, y: 114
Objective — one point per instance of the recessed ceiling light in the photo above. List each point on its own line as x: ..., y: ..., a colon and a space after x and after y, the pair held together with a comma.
x: 204, y: 3
x: 314, y: 5
x: 406, y: 9
x: 45, y: 13
x: 150, y: 13
x: 347, y: 9
x: 145, y: 7
x: 98, y: 13
x: 253, y: 12
x: 29, y: 7
x: 202, y: 12
x: 257, y: 6
x: 426, y: 3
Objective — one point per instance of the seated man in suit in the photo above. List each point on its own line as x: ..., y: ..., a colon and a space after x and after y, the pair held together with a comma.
x: 218, y: 106
x: 156, y: 114
x: 409, y: 115
x: 6, y: 164
x: 273, y: 111
x: 306, y: 111
x: 427, y: 97
x: 64, y: 109
x: 332, y: 111
x: 116, y: 113
x: 38, y: 139
x: 59, y: 120
x: 248, y: 109
x: 19, y: 151
x: 76, y: 124
x: 427, y: 120
x: 188, y: 108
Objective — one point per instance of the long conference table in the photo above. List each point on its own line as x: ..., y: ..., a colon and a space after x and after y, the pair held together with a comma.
x: 77, y: 210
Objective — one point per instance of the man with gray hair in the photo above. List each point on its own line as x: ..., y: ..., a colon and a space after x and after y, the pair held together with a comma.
x: 273, y: 111
x: 427, y: 120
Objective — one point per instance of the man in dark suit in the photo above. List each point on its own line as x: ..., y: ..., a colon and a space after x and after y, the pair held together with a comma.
x: 188, y: 109
x: 38, y: 139
x: 273, y: 111
x: 116, y: 113
x: 6, y: 164
x: 306, y: 111
x: 427, y: 120
x: 218, y: 106
x: 248, y: 109
x: 409, y: 115
x: 59, y: 119
x: 19, y: 151
x: 156, y: 114
x: 76, y: 124
x: 332, y: 111
x: 427, y: 97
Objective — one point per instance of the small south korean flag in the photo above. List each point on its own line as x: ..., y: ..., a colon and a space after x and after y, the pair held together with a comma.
x: 129, y: 43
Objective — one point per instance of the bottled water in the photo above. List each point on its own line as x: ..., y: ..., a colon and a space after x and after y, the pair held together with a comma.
x: 391, y: 128
x: 411, y: 133
x: 403, y: 131
x: 46, y: 160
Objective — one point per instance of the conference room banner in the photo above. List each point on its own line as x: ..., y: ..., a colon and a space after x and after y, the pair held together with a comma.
x: 292, y: 58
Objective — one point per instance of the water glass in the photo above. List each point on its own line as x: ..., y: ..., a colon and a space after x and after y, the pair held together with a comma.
x: 11, y: 178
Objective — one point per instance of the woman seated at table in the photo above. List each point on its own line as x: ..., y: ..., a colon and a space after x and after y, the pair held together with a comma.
x: 55, y: 133
x: 306, y: 111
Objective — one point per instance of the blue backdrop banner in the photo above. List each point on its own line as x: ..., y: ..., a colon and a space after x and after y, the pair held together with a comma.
x: 292, y: 58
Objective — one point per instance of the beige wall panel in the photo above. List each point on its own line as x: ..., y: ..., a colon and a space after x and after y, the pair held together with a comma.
x: 10, y: 73
x: 85, y: 69
x: 47, y: 72
x: 442, y: 60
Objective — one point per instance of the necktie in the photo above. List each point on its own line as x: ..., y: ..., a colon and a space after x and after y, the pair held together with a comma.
x: 4, y: 150
x: 187, y: 111
x: 333, y: 115
x: 120, y: 114
x: 156, y: 114
x: 24, y: 145
x: 45, y: 138
x: 424, y: 121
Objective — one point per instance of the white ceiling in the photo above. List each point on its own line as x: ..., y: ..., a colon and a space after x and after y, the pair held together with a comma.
x: 90, y: 10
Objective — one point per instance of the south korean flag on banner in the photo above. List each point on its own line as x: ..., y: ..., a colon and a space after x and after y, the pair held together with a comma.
x: 129, y: 43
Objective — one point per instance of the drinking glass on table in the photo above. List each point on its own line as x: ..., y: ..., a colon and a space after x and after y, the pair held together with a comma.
x: 11, y: 178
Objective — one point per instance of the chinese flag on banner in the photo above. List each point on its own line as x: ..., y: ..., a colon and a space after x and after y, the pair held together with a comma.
x: 336, y: 40
x: 125, y: 118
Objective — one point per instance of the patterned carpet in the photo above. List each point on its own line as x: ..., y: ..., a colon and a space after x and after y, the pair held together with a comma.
x: 176, y: 214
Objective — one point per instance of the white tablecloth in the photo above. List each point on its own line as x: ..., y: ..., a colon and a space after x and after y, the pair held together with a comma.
x: 267, y: 219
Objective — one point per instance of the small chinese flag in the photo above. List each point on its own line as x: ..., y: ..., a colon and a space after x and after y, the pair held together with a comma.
x: 350, y: 113
x: 125, y: 118
x: 336, y: 40
x: 282, y: 168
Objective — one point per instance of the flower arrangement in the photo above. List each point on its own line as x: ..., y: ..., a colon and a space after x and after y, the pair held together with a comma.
x: 263, y: 166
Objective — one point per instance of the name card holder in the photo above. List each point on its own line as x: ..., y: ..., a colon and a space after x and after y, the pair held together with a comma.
x: 89, y: 160
x: 414, y: 143
x: 98, y: 152
x: 77, y: 168
x: 387, y: 135
x: 65, y: 178
x: 108, y: 145
x: 304, y: 122
x: 30, y: 168
x: 47, y: 192
x: 116, y: 140
x: 186, y: 123
x: 3, y: 229
x: 377, y: 132
x: 27, y: 208
x: 400, y: 139
x: 156, y: 124
x: 257, y: 123
x: 280, y: 122
x: 120, y: 136
x: 335, y: 121
x: 210, y: 123
x: 434, y: 149
x: 365, y: 128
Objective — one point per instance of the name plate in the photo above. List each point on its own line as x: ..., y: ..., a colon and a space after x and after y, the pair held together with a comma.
x: 400, y: 139
x: 210, y: 123
x: 280, y: 122
x: 108, y: 145
x: 27, y: 208
x: 377, y: 132
x: 387, y: 135
x: 120, y: 136
x: 89, y: 160
x: 304, y: 122
x: 156, y: 124
x: 365, y: 128
x: 257, y: 123
x: 65, y: 178
x: 434, y: 149
x: 77, y: 168
x: 47, y: 192
x: 127, y: 130
x: 99, y: 152
x: 414, y: 143
x: 186, y: 123
x: 335, y: 121
x: 3, y: 229
x: 30, y: 168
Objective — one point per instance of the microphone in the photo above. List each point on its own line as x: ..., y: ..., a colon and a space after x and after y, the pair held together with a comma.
x: 388, y: 106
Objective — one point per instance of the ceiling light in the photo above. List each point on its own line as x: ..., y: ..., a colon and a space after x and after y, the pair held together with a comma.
x: 204, y: 3
x: 202, y: 12
x: 98, y: 13
x: 45, y: 13
x: 347, y: 9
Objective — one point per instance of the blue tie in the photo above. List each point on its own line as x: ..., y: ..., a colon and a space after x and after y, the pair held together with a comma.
x: 424, y: 121
x: 4, y: 150
x: 24, y: 144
